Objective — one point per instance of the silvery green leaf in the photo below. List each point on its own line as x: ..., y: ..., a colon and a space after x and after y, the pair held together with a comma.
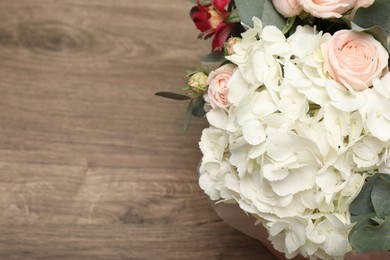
x: 187, y: 117
x: 362, y: 204
x: 375, y: 15
x: 263, y: 9
x: 213, y: 57
x: 371, y: 237
x: 198, y: 107
x: 380, y: 195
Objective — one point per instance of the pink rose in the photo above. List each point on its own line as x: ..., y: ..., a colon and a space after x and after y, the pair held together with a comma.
x: 354, y: 59
x: 218, y: 86
x: 327, y: 8
x: 287, y: 8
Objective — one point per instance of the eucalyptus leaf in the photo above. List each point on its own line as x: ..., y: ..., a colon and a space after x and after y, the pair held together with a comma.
x: 371, y: 237
x: 362, y: 204
x: 376, y: 14
x: 187, y: 117
x: 362, y: 220
x: 263, y: 9
x: 172, y: 95
x: 380, y: 195
x: 213, y: 57
x: 198, y: 107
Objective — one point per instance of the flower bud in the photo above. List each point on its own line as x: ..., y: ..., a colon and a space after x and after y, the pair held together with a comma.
x: 229, y: 45
x: 198, y: 82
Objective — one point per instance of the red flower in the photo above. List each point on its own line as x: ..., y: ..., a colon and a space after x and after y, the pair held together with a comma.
x: 220, y: 4
x: 209, y: 20
x: 221, y: 35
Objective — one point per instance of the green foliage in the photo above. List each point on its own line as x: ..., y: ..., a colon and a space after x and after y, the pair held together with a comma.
x: 194, y: 108
x: 362, y: 203
x: 375, y: 15
x: 213, y: 57
x: 289, y: 24
x: 198, y: 107
x: 371, y: 237
x: 263, y: 9
x: 374, y: 20
x: 371, y: 212
x: 172, y: 95
x: 187, y: 117
x: 380, y: 196
x: 233, y: 17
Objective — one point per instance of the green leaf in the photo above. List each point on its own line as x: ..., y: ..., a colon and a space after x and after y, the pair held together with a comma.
x: 233, y: 17
x: 370, y: 237
x: 172, y: 95
x: 289, y: 24
x: 213, y: 57
x: 361, y: 220
x: 380, y: 195
x: 375, y: 15
x: 263, y: 9
x: 362, y: 204
x: 198, y: 107
x: 187, y: 117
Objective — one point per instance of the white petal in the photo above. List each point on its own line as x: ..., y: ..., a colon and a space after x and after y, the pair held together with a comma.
x: 217, y: 118
x: 383, y: 85
x: 272, y: 174
x: 272, y: 34
x: 298, y: 180
x: 327, y: 181
x: 238, y: 88
x: 253, y: 132
x: 343, y: 99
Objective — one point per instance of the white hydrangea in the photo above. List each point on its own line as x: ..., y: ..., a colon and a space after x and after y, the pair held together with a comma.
x: 295, y: 147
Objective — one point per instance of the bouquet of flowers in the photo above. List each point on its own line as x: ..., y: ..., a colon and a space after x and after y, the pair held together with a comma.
x: 299, y: 114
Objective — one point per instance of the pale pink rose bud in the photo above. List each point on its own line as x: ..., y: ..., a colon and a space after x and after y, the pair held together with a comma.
x: 229, y: 45
x: 327, y: 8
x: 218, y: 86
x: 354, y: 59
x: 198, y: 82
x: 287, y: 8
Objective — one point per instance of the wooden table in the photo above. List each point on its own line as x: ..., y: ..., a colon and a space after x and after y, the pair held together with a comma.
x: 93, y: 165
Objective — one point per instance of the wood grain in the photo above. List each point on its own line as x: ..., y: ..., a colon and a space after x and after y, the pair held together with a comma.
x: 93, y: 165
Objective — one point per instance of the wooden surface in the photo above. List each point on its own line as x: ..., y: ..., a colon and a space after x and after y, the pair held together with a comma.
x: 93, y: 165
